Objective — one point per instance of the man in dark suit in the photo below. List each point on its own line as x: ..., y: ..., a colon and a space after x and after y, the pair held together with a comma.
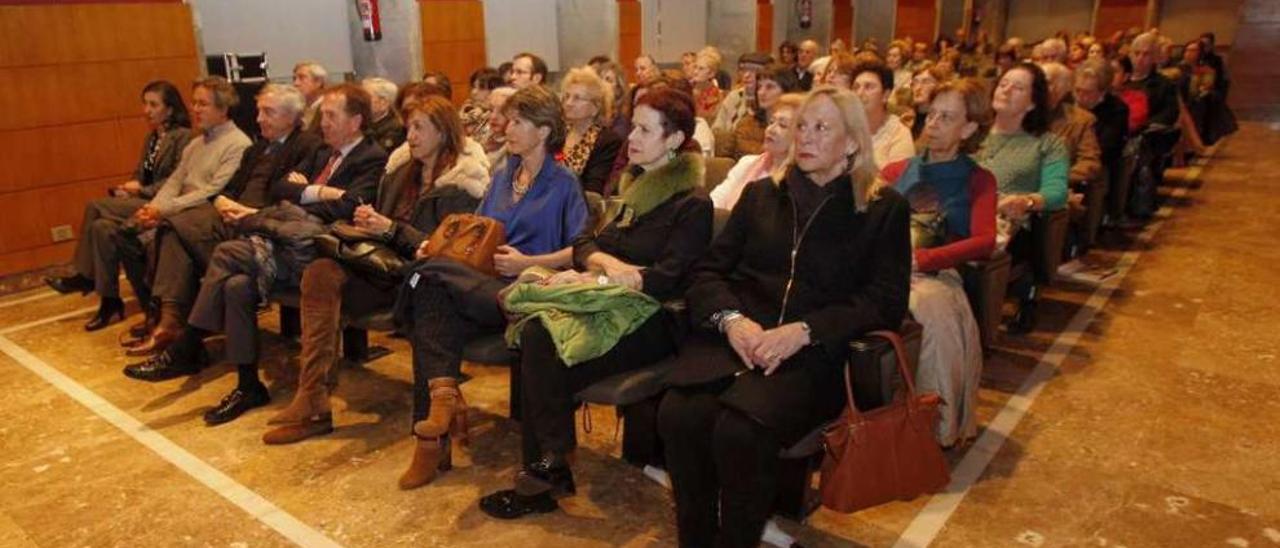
x: 327, y: 187
x: 1092, y: 85
x: 805, y: 57
x: 185, y: 241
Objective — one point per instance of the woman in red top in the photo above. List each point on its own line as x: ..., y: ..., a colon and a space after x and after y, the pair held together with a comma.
x: 953, y: 205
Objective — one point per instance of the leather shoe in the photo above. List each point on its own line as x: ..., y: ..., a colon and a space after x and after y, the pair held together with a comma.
x: 159, y: 340
x: 293, y: 432
x: 1024, y: 321
x: 164, y: 366
x: 508, y: 504
x: 70, y: 284
x: 107, y: 309
x: 236, y: 403
x: 549, y: 475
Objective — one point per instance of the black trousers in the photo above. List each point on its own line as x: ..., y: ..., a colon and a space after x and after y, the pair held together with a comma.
x: 548, y: 386
x: 444, y: 314
x: 723, y: 466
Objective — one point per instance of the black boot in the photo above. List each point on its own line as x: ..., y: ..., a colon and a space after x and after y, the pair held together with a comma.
x: 109, y: 307
x: 538, y: 485
x: 70, y: 284
x: 1024, y: 321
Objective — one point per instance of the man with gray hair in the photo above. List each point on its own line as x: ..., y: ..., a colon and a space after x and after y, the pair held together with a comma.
x: 386, y: 129
x: 1092, y: 92
x: 309, y: 78
x: 1053, y: 50
x: 186, y: 240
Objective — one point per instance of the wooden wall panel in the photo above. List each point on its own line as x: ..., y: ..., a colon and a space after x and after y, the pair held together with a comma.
x: 453, y: 40
x: 70, y: 78
x: 629, y: 35
x: 916, y: 18
x: 1117, y: 15
x: 764, y: 27
x: 842, y: 22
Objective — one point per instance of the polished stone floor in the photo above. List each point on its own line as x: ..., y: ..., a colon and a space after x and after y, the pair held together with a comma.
x: 1159, y: 426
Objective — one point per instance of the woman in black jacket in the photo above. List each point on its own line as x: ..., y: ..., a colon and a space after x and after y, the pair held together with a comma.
x: 650, y: 246
x: 442, y: 178
x: 591, y: 146
x: 808, y: 260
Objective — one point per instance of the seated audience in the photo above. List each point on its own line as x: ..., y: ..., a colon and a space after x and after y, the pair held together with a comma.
x: 706, y: 91
x: 184, y: 241
x: 649, y: 247
x: 1031, y: 165
x: 445, y: 305
x: 747, y: 136
x: 895, y: 58
x: 274, y: 248
x: 805, y: 56
x: 590, y: 146
x: 774, y: 150
x: 1135, y: 100
x: 527, y: 70
x: 1162, y: 97
x: 615, y: 78
x: 207, y: 162
x: 647, y: 69
x: 416, y: 92
x: 475, y: 112
x: 309, y: 78
x: 838, y: 71
x: 442, y: 178
x: 1075, y: 126
x: 736, y: 103
x: 955, y: 200
x: 773, y: 372
x: 890, y: 139
x: 1092, y: 92
x: 386, y: 129
x: 923, y: 82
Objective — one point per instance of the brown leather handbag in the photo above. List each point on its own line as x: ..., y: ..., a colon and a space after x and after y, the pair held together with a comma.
x: 468, y: 239
x: 885, y: 454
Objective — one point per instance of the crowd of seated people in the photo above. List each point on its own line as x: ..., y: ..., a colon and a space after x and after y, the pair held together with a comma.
x: 861, y: 187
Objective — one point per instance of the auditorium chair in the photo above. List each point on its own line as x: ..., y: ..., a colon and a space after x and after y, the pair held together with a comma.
x: 717, y: 169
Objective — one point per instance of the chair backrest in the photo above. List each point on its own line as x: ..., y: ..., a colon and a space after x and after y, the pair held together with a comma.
x: 717, y: 169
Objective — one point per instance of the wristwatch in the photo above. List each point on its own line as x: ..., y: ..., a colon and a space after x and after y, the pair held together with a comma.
x: 722, y: 318
x: 808, y: 332
x: 602, y: 279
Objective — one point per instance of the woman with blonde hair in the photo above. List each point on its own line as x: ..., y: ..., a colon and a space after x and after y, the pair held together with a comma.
x: 591, y: 145
x: 706, y: 91
x: 774, y: 152
x: 806, y: 262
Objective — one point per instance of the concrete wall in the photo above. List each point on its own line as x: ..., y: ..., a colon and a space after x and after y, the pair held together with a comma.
x: 398, y: 56
x: 589, y: 28
x: 514, y: 26
x: 289, y: 31
x: 873, y: 19
x: 731, y: 26
x: 819, y: 30
x: 671, y: 27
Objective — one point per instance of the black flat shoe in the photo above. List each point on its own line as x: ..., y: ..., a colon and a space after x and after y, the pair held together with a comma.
x: 107, y: 309
x: 509, y: 504
x: 1025, y: 320
x: 236, y: 403
x: 549, y: 475
x: 70, y: 284
x: 164, y: 366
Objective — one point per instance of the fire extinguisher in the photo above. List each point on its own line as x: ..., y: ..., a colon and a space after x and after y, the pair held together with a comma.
x: 805, y: 9
x: 370, y: 20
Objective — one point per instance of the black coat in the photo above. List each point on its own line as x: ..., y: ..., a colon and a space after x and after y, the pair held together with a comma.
x: 429, y: 210
x: 358, y: 175
x: 600, y: 163
x: 1112, y: 128
x: 852, y: 275
x: 294, y: 154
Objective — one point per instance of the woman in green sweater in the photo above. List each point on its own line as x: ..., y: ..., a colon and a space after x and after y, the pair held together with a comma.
x: 1030, y: 165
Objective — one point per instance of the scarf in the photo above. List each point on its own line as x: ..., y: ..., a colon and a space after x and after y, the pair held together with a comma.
x: 643, y: 191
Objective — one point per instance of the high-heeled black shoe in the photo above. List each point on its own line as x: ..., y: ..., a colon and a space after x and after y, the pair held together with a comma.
x: 70, y: 284
x: 110, y: 307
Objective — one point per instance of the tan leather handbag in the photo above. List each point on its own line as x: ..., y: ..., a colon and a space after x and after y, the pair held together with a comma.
x: 885, y: 454
x: 468, y: 239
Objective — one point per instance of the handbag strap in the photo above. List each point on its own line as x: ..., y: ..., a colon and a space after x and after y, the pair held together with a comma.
x: 900, y: 354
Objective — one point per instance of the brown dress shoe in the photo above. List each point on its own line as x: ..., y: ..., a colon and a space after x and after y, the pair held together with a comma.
x: 315, y: 425
x: 159, y: 340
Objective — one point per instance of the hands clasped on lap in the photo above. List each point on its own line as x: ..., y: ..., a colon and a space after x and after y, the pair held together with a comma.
x: 765, y: 349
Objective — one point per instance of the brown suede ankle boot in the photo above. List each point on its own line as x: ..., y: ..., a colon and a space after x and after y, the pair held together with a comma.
x: 448, y: 412
x: 430, y: 456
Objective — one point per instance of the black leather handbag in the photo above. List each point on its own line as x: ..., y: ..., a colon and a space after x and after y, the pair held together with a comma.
x: 363, y: 253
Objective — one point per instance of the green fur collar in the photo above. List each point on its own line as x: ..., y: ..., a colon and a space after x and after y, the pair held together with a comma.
x: 652, y: 188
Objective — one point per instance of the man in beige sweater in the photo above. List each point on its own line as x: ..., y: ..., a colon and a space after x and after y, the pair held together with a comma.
x: 207, y: 163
